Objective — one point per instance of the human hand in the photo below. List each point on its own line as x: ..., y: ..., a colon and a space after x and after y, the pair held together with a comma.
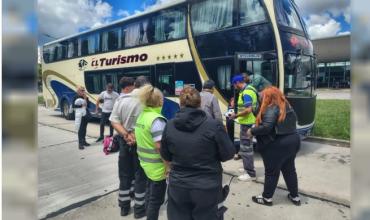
x: 232, y: 116
x: 130, y: 139
x: 249, y: 133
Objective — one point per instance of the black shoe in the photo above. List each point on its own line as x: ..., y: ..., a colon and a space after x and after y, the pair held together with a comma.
x: 125, y: 211
x: 296, y: 201
x: 99, y: 139
x: 262, y: 201
x: 86, y: 144
x: 139, y: 215
x: 81, y: 147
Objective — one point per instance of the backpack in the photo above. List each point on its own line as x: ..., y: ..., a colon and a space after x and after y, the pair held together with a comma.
x: 255, y: 109
x: 111, y: 144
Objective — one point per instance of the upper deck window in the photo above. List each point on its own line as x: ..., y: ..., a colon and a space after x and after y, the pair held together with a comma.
x: 111, y: 39
x: 136, y: 33
x: 287, y: 15
x: 251, y: 11
x: 211, y: 15
x: 169, y: 25
x: 72, y: 48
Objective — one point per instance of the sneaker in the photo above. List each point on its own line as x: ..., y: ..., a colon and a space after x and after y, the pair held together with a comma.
x: 99, y: 139
x: 237, y: 157
x: 125, y: 211
x: 295, y: 200
x: 139, y: 215
x: 86, y: 144
x: 241, y: 170
x: 245, y: 178
x: 261, y: 200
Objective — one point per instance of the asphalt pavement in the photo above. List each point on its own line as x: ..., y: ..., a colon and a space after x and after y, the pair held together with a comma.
x: 76, y: 184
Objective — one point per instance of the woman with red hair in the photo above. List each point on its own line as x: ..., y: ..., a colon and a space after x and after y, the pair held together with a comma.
x: 278, y: 143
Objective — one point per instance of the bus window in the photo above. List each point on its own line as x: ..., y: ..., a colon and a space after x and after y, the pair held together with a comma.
x: 61, y: 50
x: 223, y: 77
x: 72, y: 48
x: 93, y: 43
x: 83, y: 46
x: 47, y: 54
x: 93, y: 82
x: 169, y: 25
x: 251, y: 11
x: 299, y: 75
x: 110, y: 78
x: 136, y: 33
x: 165, y: 79
x: 111, y: 39
x: 211, y: 15
x: 287, y: 15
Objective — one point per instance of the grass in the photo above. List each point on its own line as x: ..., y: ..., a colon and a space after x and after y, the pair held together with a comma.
x: 333, y: 119
x: 40, y: 100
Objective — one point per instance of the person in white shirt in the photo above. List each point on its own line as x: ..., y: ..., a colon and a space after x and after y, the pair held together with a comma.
x: 108, y: 98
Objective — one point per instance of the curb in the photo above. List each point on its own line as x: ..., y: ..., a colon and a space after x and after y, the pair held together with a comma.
x: 329, y: 141
x: 314, y: 195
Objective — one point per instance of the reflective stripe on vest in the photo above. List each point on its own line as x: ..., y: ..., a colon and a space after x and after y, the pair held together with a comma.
x: 150, y: 159
x: 249, y: 118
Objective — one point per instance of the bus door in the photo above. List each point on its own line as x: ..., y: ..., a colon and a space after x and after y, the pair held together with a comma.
x: 165, y: 78
x: 263, y: 67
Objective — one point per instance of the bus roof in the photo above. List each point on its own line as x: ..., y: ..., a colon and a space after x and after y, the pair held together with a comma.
x: 151, y: 10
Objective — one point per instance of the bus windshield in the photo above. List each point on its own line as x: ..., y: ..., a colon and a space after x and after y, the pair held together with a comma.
x: 299, y: 75
x: 287, y: 14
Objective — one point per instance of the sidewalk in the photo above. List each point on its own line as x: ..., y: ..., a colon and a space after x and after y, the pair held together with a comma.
x: 69, y: 179
x: 323, y: 171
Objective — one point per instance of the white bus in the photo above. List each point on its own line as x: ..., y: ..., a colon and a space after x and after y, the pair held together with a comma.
x: 185, y: 43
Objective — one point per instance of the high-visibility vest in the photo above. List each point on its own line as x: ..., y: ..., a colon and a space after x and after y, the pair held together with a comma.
x: 248, y: 119
x: 150, y: 159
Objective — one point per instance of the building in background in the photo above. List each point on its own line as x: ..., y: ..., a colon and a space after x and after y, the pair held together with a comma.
x: 333, y: 61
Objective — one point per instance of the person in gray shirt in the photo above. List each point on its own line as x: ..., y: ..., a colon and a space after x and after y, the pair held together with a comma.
x: 209, y: 102
x: 123, y: 118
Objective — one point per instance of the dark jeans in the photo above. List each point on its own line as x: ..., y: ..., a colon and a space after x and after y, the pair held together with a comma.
x: 131, y: 173
x: 192, y: 204
x: 156, y: 192
x: 246, y: 150
x: 103, y: 121
x: 82, y: 131
x: 278, y: 156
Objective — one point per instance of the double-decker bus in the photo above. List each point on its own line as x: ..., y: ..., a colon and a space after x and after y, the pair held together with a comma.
x: 185, y: 43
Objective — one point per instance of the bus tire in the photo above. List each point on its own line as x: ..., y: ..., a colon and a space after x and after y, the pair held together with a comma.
x: 65, y: 110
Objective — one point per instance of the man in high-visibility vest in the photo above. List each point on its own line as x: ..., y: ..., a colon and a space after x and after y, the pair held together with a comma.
x: 247, y: 100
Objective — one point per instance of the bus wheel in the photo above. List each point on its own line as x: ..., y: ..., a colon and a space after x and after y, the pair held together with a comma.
x: 65, y: 111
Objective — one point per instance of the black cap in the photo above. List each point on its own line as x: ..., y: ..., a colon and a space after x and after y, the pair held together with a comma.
x: 209, y: 84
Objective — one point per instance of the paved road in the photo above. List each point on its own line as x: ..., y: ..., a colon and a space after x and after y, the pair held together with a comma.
x: 77, y: 184
x: 343, y: 94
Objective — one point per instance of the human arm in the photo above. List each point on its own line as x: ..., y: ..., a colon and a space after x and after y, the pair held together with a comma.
x: 216, y: 109
x: 268, y: 122
x: 157, y: 131
x: 225, y: 147
x: 116, y: 122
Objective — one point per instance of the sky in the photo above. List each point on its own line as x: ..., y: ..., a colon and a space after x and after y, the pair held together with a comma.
x: 59, y: 18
